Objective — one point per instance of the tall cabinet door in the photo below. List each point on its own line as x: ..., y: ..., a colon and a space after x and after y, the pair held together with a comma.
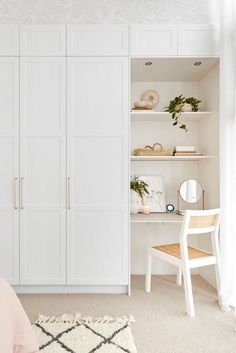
x: 97, y: 171
x: 9, y: 170
x: 43, y: 171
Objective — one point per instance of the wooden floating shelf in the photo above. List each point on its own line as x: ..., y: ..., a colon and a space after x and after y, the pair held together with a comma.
x: 165, y: 116
x: 169, y: 158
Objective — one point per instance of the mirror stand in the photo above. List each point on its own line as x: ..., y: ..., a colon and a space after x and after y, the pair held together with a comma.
x: 181, y: 212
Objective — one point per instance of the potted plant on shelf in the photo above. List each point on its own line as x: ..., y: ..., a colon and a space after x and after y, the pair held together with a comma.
x: 181, y: 104
x: 138, y: 188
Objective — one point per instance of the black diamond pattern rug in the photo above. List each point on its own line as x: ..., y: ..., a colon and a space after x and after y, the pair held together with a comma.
x: 84, y: 335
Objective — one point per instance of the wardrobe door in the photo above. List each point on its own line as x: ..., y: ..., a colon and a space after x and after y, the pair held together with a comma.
x: 97, y: 162
x: 9, y: 170
x: 43, y: 171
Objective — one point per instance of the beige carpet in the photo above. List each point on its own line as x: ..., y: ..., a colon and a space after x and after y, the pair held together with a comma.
x: 161, y: 324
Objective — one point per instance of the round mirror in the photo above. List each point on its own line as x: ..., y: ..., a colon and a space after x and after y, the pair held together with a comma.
x: 190, y: 191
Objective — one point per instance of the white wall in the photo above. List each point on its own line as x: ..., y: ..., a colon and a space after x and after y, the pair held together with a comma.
x: 108, y: 11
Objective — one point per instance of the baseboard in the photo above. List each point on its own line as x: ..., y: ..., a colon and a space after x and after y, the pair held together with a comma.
x: 28, y: 289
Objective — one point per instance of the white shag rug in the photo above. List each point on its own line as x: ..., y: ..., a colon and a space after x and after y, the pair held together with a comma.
x: 77, y: 334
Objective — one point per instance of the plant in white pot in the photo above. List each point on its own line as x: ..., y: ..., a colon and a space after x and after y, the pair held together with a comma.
x: 138, y: 188
x: 179, y: 105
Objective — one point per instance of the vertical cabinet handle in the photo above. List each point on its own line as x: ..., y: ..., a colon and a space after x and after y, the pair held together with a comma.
x: 21, y: 193
x: 14, y: 192
x: 69, y: 193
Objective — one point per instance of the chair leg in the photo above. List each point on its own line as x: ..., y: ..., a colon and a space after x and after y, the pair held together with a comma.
x: 217, y: 272
x: 179, y: 276
x: 148, y: 272
x: 188, y: 292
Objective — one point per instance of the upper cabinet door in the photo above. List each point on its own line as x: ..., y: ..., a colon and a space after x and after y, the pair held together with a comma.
x: 153, y: 40
x: 42, y: 40
x: 199, y: 40
x: 97, y: 40
x: 9, y: 40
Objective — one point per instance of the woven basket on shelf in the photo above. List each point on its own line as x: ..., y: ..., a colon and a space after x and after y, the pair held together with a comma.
x: 156, y: 150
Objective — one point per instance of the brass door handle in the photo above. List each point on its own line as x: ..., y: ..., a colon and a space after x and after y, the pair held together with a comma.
x: 69, y: 193
x: 21, y: 193
x: 14, y: 192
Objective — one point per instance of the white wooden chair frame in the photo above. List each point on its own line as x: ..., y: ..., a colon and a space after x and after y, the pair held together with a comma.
x: 195, y: 222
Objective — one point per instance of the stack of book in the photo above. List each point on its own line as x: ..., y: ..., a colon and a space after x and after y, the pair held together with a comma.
x: 186, y: 151
x: 142, y: 109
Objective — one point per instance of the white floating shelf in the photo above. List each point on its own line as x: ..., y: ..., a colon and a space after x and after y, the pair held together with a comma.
x: 165, y: 116
x: 169, y: 158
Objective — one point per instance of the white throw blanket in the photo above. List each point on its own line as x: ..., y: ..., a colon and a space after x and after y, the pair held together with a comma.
x: 16, y: 334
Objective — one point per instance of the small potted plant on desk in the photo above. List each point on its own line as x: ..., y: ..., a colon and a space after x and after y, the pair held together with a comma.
x: 138, y: 188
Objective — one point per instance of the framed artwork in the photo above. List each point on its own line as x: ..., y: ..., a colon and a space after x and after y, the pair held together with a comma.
x: 156, y: 197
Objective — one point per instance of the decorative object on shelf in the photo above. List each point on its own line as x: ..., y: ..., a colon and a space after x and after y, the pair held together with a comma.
x: 138, y: 189
x: 156, y: 150
x: 140, y: 104
x: 179, y: 105
x: 190, y: 191
x: 155, y: 198
x: 146, y: 209
x: 148, y: 101
x: 151, y: 97
x: 170, y: 208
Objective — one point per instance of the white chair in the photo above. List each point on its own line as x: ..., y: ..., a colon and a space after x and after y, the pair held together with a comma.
x: 186, y: 257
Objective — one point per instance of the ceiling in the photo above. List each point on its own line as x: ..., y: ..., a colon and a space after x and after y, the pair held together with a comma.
x: 170, y: 69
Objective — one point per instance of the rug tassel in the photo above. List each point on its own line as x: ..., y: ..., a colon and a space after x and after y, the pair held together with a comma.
x: 79, y: 319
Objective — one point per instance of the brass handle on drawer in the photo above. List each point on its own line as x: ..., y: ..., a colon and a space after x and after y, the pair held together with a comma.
x: 14, y: 192
x: 21, y: 193
x: 69, y: 193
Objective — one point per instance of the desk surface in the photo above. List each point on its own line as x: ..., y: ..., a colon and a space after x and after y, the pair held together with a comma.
x: 156, y: 218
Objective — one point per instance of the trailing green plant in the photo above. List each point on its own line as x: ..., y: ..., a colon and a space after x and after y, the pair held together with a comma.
x: 139, y: 186
x: 194, y: 103
x: 175, y: 108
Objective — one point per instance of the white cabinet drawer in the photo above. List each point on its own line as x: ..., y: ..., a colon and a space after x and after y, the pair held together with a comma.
x: 43, y: 40
x: 199, y: 40
x: 153, y: 40
x: 97, y: 40
x: 9, y: 40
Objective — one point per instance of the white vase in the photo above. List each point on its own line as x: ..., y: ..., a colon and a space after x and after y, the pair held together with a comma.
x: 135, y: 202
x: 187, y: 107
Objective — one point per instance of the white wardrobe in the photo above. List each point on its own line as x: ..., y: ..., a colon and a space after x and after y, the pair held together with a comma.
x: 64, y: 175
x: 65, y: 150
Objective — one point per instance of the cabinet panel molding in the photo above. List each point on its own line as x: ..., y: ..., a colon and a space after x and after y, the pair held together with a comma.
x: 43, y: 40
x: 153, y: 40
x: 197, y: 40
x: 97, y: 40
x: 9, y: 40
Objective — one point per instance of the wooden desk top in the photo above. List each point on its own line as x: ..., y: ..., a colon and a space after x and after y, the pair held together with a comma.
x: 156, y: 218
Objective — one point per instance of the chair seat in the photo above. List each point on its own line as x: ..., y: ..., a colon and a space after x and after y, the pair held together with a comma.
x: 174, y: 250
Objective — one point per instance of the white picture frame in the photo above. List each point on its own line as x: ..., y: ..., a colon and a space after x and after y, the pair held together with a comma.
x: 156, y: 197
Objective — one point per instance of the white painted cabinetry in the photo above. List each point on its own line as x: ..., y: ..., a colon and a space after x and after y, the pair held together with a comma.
x: 64, y: 176
x: 9, y: 169
x: 198, y: 40
x: 97, y: 162
x: 9, y: 40
x: 43, y: 40
x: 43, y: 170
x: 97, y: 40
x: 153, y: 40
x: 173, y: 40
